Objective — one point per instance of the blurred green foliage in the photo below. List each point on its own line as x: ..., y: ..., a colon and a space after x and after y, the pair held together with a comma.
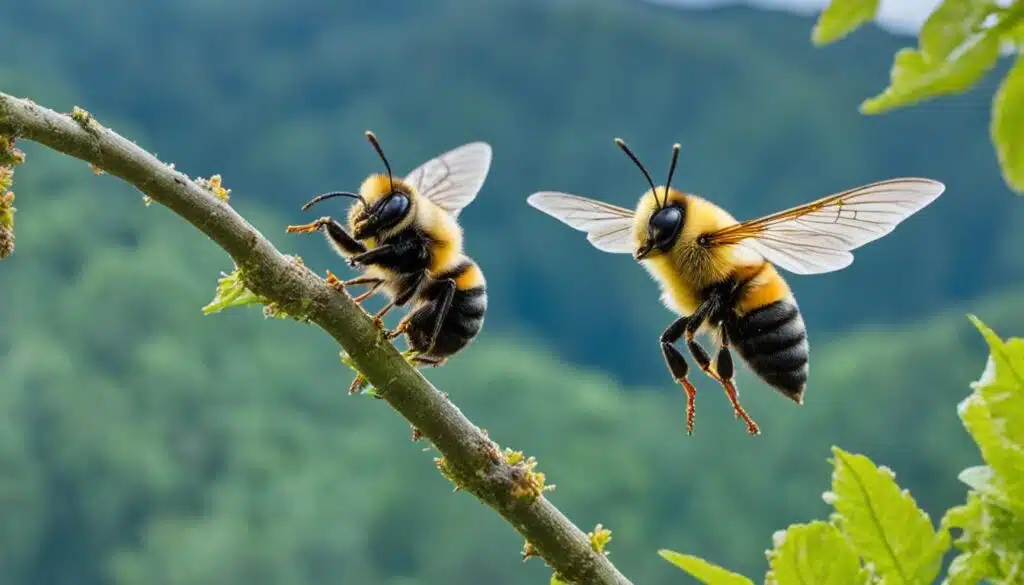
x: 276, y: 99
x: 878, y: 534
x: 143, y: 444
x: 959, y: 43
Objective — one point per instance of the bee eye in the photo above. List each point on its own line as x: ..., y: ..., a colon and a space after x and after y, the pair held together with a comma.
x: 664, y: 225
x: 393, y: 209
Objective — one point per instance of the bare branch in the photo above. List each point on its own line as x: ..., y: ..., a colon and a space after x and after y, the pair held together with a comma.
x: 470, y: 459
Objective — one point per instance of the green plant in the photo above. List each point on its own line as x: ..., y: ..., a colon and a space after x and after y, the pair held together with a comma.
x: 958, y: 44
x: 878, y: 534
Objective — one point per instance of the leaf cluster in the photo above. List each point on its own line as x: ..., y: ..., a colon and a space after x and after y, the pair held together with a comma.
x: 959, y: 43
x: 878, y: 535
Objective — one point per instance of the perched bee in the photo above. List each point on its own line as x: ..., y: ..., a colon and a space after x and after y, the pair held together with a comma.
x: 406, y: 240
x: 719, y: 275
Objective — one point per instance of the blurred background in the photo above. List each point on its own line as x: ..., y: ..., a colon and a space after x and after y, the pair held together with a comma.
x: 142, y: 443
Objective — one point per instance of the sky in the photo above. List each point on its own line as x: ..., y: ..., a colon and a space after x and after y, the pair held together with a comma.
x: 898, y: 16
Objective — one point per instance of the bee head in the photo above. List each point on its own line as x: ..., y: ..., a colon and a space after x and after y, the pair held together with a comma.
x: 659, y: 220
x: 386, y: 203
x: 388, y: 208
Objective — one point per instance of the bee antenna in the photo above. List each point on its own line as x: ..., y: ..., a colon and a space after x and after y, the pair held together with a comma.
x: 380, y: 152
x: 639, y: 165
x: 672, y: 167
x: 320, y: 198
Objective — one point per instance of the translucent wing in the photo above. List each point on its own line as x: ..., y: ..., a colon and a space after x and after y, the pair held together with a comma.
x: 453, y: 179
x: 608, y: 227
x: 820, y: 236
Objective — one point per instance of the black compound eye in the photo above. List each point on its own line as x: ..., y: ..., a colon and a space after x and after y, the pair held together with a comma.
x: 664, y: 225
x: 394, y: 208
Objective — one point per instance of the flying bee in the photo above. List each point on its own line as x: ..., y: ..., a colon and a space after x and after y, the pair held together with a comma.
x: 719, y: 275
x: 406, y: 240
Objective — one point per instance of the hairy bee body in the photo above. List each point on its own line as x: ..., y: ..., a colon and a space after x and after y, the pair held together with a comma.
x: 404, y: 237
x: 429, y: 263
x: 760, y: 316
x: 719, y: 275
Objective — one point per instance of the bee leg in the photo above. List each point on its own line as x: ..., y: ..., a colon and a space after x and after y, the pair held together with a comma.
x: 723, y: 370
x: 374, y: 287
x: 430, y: 361
x: 403, y: 296
x: 443, y: 305
x: 378, y: 317
x: 400, y: 329
x: 344, y: 244
x: 334, y: 282
x: 678, y: 367
x: 726, y: 371
x: 386, y: 254
x: 371, y: 280
x: 313, y: 226
x: 691, y: 327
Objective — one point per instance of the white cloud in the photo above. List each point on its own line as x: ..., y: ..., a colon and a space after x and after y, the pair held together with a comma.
x: 898, y: 16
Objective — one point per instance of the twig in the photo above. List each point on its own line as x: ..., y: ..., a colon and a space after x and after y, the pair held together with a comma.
x: 470, y: 458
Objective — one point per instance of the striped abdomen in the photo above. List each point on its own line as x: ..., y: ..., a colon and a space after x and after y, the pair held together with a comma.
x: 772, y: 340
x: 465, y: 315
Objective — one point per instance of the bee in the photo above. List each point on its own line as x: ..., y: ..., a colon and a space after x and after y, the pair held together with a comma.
x: 719, y: 276
x: 406, y: 240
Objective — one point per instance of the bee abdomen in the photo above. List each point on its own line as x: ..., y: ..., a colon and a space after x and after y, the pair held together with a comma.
x: 773, y: 341
x: 465, y: 317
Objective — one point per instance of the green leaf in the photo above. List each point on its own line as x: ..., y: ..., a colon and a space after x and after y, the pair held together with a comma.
x: 954, y: 51
x: 994, y: 416
x: 556, y: 581
x: 1007, y: 127
x: 991, y: 543
x: 814, y: 553
x: 231, y: 292
x: 1016, y: 36
x: 978, y: 478
x: 840, y: 18
x: 704, y: 571
x: 883, y: 523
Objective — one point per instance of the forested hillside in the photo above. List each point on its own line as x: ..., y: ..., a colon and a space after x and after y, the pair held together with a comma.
x: 145, y: 444
x: 276, y: 99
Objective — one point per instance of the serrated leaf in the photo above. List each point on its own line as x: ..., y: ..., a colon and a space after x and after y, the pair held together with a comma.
x: 231, y: 292
x: 954, y: 51
x: 883, y: 523
x: 978, y: 478
x: 994, y: 416
x: 991, y: 543
x: 703, y: 571
x: 814, y: 553
x: 1007, y: 127
x: 969, y: 569
x: 840, y: 18
x: 951, y: 24
x: 974, y: 563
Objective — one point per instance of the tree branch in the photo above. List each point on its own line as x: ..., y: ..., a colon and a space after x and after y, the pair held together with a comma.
x: 471, y: 460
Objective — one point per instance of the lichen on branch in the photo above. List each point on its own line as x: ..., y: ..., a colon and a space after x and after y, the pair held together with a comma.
x: 9, y: 158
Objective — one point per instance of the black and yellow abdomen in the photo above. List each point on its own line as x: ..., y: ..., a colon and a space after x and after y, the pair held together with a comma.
x: 456, y: 324
x: 772, y: 340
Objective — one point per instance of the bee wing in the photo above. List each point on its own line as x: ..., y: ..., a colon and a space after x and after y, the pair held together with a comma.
x: 453, y: 179
x: 819, y: 236
x: 608, y: 227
